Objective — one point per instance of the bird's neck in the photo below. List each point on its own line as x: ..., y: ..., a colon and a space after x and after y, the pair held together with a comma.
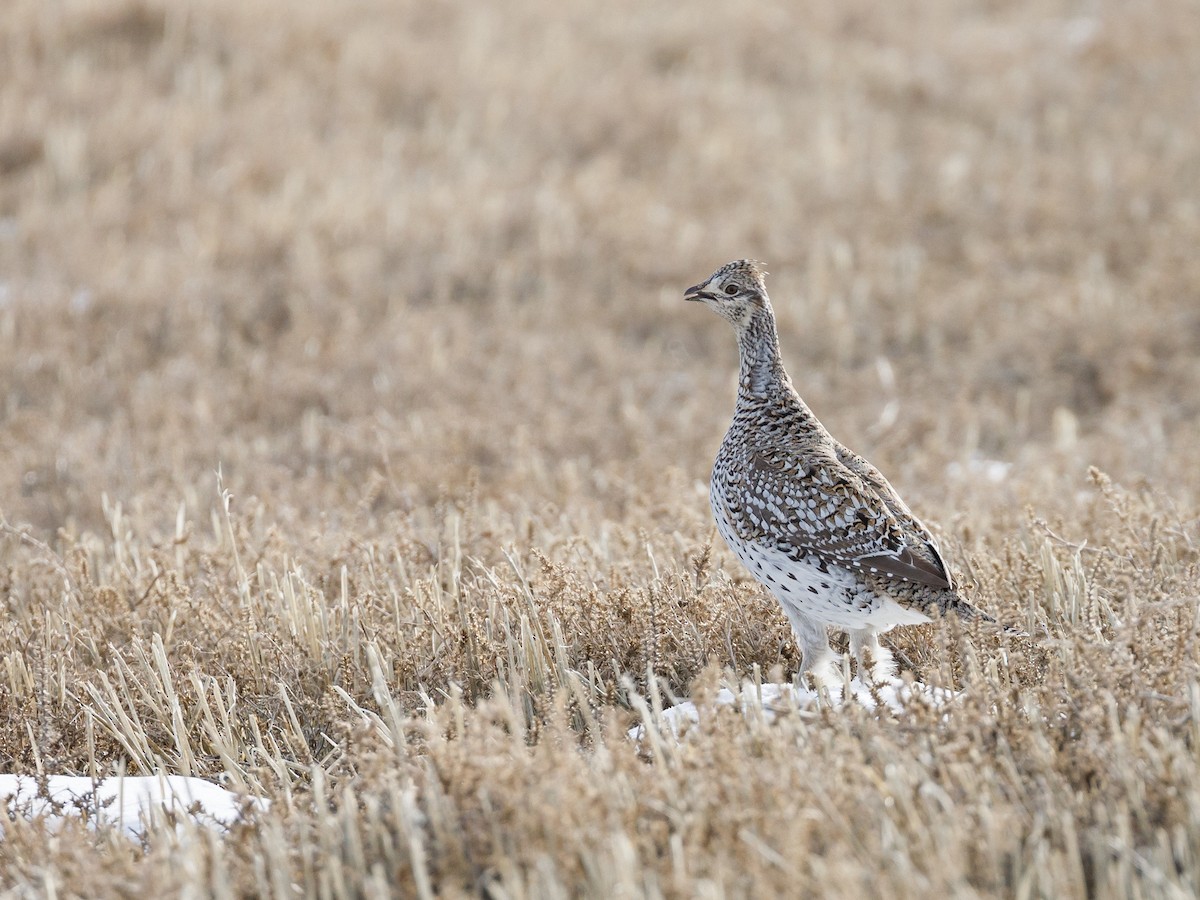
x: 761, y: 371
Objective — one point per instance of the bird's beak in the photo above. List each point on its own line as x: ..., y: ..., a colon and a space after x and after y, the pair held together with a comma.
x: 695, y: 292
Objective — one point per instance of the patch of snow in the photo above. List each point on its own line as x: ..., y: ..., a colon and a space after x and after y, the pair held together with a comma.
x: 771, y: 699
x: 82, y: 301
x: 126, y: 802
x: 1081, y: 32
x: 993, y: 470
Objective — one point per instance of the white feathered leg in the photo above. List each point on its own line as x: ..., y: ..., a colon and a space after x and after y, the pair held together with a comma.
x: 817, y: 658
x: 874, y: 661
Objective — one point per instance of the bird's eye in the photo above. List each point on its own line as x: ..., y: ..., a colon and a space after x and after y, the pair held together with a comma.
x: 731, y: 289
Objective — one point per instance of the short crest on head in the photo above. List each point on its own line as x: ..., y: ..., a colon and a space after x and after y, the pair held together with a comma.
x: 750, y: 270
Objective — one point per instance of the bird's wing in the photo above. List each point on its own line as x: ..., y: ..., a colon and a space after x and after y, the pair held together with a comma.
x: 868, y: 473
x: 914, y: 529
x: 817, y: 506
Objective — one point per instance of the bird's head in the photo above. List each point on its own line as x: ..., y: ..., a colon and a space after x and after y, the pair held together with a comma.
x: 735, y: 291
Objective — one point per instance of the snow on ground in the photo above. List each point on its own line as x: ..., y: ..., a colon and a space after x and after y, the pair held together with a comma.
x: 126, y: 802
x: 768, y: 700
x: 993, y: 470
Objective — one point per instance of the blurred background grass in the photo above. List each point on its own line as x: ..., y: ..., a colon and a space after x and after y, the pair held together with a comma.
x: 300, y: 241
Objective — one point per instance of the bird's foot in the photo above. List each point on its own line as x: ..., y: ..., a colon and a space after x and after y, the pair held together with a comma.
x: 824, y: 674
x: 877, y: 665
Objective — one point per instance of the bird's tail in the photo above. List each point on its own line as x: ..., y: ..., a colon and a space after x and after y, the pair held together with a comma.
x: 955, y: 603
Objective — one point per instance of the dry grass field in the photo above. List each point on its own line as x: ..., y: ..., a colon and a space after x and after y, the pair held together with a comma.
x: 354, y: 438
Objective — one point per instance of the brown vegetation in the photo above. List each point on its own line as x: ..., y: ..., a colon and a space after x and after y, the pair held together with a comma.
x: 408, y: 275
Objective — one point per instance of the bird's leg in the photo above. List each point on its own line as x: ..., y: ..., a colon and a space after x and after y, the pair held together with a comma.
x: 817, y: 658
x: 874, y: 662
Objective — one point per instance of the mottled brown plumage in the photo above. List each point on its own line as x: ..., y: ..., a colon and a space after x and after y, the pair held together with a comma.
x: 816, y: 523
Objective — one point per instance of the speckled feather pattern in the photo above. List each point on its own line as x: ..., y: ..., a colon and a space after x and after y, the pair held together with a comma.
x: 781, y: 482
x: 816, y: 523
